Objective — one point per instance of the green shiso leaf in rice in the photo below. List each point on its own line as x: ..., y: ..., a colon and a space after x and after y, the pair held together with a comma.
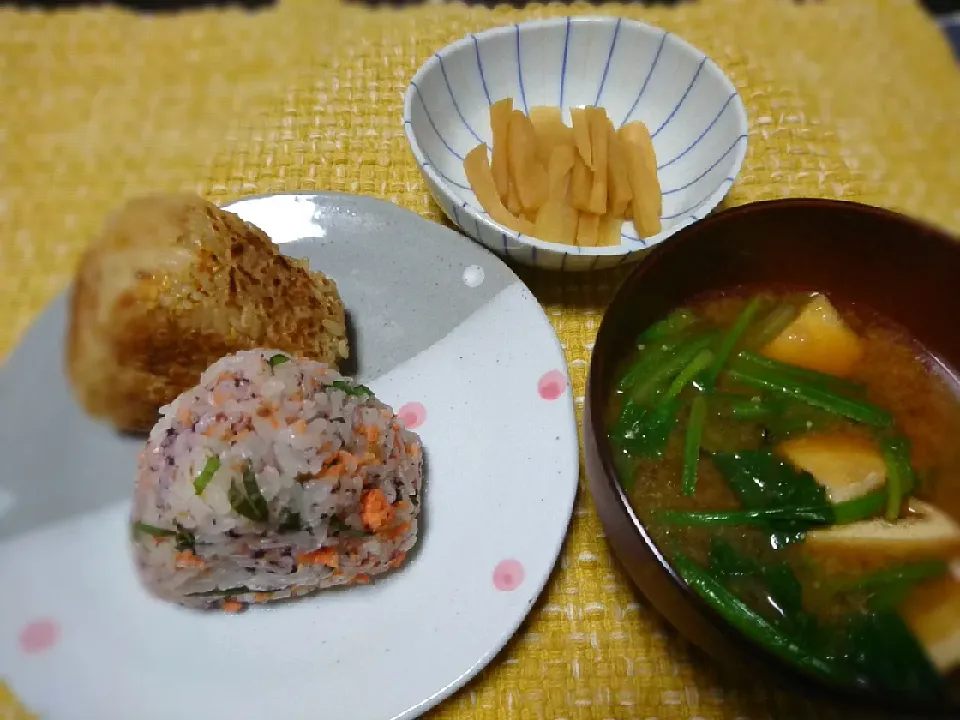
x: 185, y: 540
x: 206, y: 475
x: 290, y: 521
x: 340, y: 528
x: 246, y: 499
x: 153, y: 531
x: 278, y: 359
x: 356, y: 390
x: 227, y: 592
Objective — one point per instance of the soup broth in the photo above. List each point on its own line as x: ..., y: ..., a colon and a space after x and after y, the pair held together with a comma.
x: 797, y: 462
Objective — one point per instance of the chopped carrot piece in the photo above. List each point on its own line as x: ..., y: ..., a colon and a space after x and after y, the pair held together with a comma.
x: 334, y: 466
x: 375, y: 511
x: 186, y: 559
x: 398, y: 560
x: 361, y: 579
x: 396, y: 531
x: 299, y: 427
x: 232, y: 606
x: 373, y: 433
x: 322, y: 556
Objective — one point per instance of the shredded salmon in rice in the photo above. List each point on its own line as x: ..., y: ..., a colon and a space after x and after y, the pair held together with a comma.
x: 376, y: 511
x: 273, y: 478
x: 323, y: 556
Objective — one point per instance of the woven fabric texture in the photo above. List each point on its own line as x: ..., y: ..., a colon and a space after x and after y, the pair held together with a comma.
x: 856, y: 100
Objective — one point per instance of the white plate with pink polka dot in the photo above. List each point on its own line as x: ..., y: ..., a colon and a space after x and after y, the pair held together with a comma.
x: 446, y: 334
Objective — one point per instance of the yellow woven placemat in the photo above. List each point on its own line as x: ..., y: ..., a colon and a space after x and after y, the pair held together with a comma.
x: 857, y: 100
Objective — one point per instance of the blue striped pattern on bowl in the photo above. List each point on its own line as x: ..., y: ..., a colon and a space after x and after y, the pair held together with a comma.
x: 634, y: 71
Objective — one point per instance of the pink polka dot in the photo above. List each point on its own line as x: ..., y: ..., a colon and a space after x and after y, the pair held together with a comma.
x: 39, y: 635
x: 552, y: 385
x: 412, y: 415
x: 508, y: 575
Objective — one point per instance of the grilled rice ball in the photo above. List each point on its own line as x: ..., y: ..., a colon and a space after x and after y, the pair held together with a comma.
x: 174, y: 283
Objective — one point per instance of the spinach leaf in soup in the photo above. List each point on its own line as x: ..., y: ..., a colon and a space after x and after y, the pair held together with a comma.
x: 880, y: 647
x: 776, y: 582
x: 644, y: 432
x: 761, y: 480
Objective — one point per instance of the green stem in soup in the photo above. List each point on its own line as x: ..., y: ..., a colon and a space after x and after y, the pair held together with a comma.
x: 659, y: 371
x: 651, y: 356
x: 781, y: 417
x: 643, y: 428
x: 749, y: 622
x: 730, y: 340
x: 696, y: 366
x: 675, y: 323
x: 691, y: 446
x: 771, y: 325
x: 889, y: 587
x: 810, y: 393
x: 744, y: 407
x: 782, y: 517
x: 861, y: 508
x: 901, y: 479
x: 760, y: 517
x: 796, y: 418
x: 912, y: 573
x: 795, y: 372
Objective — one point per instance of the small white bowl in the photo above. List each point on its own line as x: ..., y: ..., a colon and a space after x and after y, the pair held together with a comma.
x: 632, y: 70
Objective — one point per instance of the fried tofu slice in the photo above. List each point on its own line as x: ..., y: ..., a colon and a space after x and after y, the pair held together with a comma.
x: 818, y: 339
x: 172, y: 284
x: 846, y: 467
x: 932, y: 612
x: 925, y: 533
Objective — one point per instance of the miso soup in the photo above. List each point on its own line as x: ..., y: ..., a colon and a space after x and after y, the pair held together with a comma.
x: 799, y: 465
